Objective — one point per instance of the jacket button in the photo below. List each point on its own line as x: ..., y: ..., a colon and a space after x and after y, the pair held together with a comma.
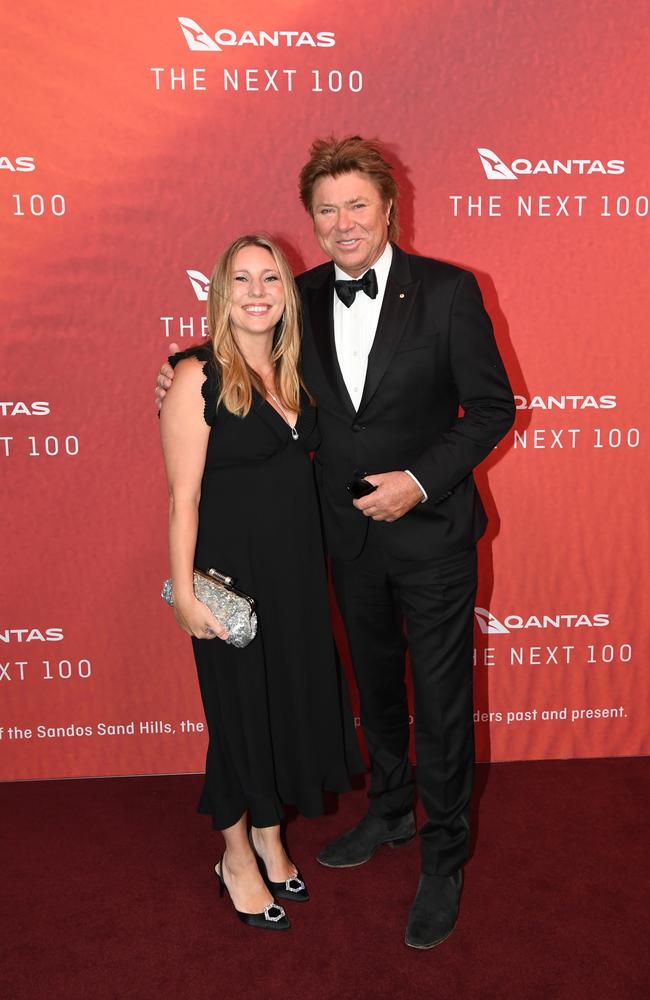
x: 357, y: 427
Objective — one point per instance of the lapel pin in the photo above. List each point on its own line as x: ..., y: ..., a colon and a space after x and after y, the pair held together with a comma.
x: 402, y: 295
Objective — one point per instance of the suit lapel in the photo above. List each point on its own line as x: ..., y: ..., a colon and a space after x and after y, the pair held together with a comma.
x: 322, y: 325
x: 396, y: 308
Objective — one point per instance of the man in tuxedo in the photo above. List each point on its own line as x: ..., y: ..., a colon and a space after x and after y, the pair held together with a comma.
x: 393, y: 345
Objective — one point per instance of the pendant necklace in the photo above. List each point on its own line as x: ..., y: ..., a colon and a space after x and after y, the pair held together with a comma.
x: 294, y: 432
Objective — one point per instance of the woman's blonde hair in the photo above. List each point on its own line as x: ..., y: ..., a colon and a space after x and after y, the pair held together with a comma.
x: 237, y: 378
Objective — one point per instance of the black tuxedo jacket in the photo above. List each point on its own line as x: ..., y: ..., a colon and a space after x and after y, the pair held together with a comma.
x: 434, y: 351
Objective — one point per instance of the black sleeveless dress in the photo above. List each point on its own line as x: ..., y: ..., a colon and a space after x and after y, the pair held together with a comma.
x: 279, y: 722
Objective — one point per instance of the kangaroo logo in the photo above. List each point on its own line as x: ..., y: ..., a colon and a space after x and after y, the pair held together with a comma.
x: 488, y: 624
x: 197, y: 39
x: 200, y: 284
x: 495, y: 168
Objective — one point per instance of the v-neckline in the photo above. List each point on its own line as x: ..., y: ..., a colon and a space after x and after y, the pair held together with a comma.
x: 291, y: 428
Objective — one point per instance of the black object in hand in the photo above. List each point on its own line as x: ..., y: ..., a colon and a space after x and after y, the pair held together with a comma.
x: 360, y: 487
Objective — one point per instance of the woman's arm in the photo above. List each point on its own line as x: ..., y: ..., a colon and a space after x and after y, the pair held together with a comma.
x: 184, y: 435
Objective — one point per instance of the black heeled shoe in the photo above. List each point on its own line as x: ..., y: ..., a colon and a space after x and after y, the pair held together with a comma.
x: 272, y: 917
x: 294, y: 888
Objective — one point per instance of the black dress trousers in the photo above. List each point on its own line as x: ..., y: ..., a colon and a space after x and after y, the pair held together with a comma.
x: 434, y: 598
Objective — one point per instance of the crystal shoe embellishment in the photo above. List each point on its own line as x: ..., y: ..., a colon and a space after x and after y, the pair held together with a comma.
x: 273, y: 912
x: 294, y: 885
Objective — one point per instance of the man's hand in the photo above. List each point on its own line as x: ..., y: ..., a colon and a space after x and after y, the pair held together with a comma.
x: 395, y: 495
x: 165, y: 377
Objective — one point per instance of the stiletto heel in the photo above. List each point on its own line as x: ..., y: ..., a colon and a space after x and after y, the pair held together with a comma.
x: 222, y: 884
x: 272, y: 917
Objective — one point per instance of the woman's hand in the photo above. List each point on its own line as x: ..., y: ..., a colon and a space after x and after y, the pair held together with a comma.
x: 196, y: 619
x: 164, y: 378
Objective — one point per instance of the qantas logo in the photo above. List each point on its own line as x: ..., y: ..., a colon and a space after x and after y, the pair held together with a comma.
x: 198, y: 40
x: 572, y: 402
x: 20, y: 164
x: 31, y: 634
x: 200, y: 284
x: 489, y: 625
x: 496, y: 170
x: 38, y: 409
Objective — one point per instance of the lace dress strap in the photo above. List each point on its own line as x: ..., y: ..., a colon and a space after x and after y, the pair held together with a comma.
x: 210, y: 387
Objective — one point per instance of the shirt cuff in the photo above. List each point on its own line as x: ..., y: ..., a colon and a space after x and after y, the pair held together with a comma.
x: 425, y: 496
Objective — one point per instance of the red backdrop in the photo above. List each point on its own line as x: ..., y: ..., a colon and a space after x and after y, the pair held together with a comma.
x: 130, y: 159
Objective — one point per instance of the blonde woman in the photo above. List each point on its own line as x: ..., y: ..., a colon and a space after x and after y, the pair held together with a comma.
x: 237, y: 430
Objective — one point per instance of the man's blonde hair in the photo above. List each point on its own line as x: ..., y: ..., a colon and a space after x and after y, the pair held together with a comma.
x: 333, y: 157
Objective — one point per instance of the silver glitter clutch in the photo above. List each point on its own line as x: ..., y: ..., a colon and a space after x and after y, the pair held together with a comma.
x: 231, y: 607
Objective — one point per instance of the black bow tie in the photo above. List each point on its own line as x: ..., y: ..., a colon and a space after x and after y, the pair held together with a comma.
x: 347, y: 290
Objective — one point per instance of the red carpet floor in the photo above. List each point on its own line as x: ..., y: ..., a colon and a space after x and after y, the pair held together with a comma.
x: 108, y: 892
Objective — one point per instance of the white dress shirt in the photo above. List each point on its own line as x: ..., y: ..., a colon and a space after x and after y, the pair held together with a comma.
x: 354, y: 332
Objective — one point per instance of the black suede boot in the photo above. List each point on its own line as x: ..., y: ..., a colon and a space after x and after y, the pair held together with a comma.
x: 435, y: 910
x: 359, y: 844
